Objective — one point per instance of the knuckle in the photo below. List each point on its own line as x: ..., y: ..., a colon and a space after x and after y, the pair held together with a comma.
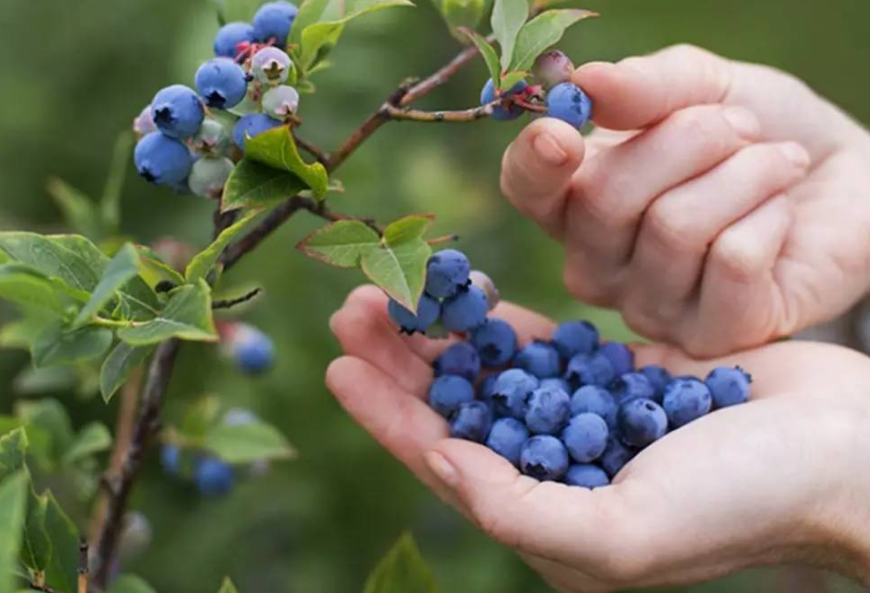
x: 705, y: 128
x: 604, y: 192
x: 639, y: 317
x: 673, y: 228
x: 584, y: 288
x: 735, y: 258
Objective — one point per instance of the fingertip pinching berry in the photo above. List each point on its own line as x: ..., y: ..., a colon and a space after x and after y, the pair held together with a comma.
x: 221, y: 83
x: 507, y: 437
x: 460, y: 359
x: 502, y: 112
x: 568, y: 102
x: 495, y: 341
x: 552, y: 68
x: 177, y: 111
x: 544, y: 457
x: 272, y: 22
x: 447, y: 392
x: 209, y: 175
x: 281, y: 102
x: 271, y: 66
x: 251, y: 125
x: 586, y: 475
x: 213, y: 477
x: 228, y: 38
x: 162, y: 160
x: 428, y: 311
x: 729, y: 386
x: 471, y: 421
x: 465, y: 311
x: 447, y: 272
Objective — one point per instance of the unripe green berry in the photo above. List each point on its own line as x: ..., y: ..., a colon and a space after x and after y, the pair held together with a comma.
x: 209, y: 175
x: 211, y: 138
x: 281, y: 102
x: 271, y: 66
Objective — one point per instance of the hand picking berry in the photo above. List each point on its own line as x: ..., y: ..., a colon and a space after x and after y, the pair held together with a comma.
x: 553, y: 68
x: 568, y: 102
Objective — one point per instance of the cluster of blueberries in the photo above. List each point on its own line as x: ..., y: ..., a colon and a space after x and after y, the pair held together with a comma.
x: 569, y: 409
x: 181, y: 144
x: 252, y: 351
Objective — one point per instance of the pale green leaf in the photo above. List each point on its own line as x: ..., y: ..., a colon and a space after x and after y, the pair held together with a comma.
x: 22, y: 332
x: 463, y: 13
x: 254, y: 185
x: 276, y: 148
x: 203, y: 262
x: 61, y: 573
x: 154, y: 270
x: 228, y: 587
x: 13, y: 504
x: 79, y: 211
x: 508, y: 17
x: 341, y: 244
x: 402, y: 570
x: 56, y: 346
x: 92, y: 439
x: 26, y: 286
x: 543, y: 32
x: 400, y: 271
x: 116, y: 369
x: 247, y: 443
x: 35, y: 545
x: 409, y: 228
x: 187, y: 316
x: 488, y: 54
x: 510, y: 79
x: 118, y: 272
x: 13, y: 447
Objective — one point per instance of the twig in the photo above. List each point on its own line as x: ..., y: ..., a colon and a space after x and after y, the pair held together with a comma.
x: 444, y: 239
x: 460, y: 116
x: 257, y: 235
x: 230, y: 303
x: 83, y: 570
x: 440, y: 77
x: 43, y: 588
x: 311, y: 149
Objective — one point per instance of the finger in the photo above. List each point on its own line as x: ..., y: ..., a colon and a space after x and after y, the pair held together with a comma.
x: 638, y: 92
x: 537, y: 169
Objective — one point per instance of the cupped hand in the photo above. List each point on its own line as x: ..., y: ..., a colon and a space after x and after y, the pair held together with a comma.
x: 781, y: 478
x: 712, y: 190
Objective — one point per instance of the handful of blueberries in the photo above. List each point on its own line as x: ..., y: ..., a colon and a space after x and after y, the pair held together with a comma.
x: 568, y: 409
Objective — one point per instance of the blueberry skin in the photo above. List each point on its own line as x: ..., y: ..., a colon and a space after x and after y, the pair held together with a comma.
x: 729, y: 386
x: 471, y: 421
x: 686, y: 400
x: 658, y: 377
x: 466, y: 311
x: 575, y: 337
x: 496, y: 342
x: 230, y: 36
x: 486, y: 387
x: 586, y: 475
x: 590, y: 369
x: 252, y: 125
x: 459, y: 359
x: 499, y: 113
x: 593, y: 399
x: 428, y: 311
x: 585, y: 437
x: 568, y: 102
x: 177, y: 111
x: 620, y: 356
x: 271, y: 65
x: 213, y: 477
x: 162, y: 160
x: 170, y: 459
x: 557, y: 383
x: 633, y: 386
x: 446, y: 272
x: 641, y: 422
x: 274, y: 19
x: 547, y: 410
x: 544, y: 457
x: 255, y: 352
x: 507, y: 437
x: 511, y: 392
x: 221, y: 83
x: 447, y: 393
x: 539, y: 359
x: 615, y: 456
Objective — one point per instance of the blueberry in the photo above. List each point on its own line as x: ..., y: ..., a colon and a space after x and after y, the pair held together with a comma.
x: 273, y: 21
x: 589, y: 369
x: 686, y: 400
x: 486, y: 284
x: 511, y: 391
x: 729, y: 386
x: 501, y: 113
x: 211, y: 138
x: 556, y: 383
x: 144, y: 124
x: 471, y: 421
x: 465, y: 311
x: 496, y: 342
x: 447, y: 392
x: 428, y: 311
x: 253, y: 350
x: 507, y: 437
x: 633, y: 386
x: 252, y: 125
x: 271, y: 66
x: 568, y: 102
x: 616, y: 456
x: 162, y: 160
x: 170, y: 459
x: 547, y: 410
x: 593, y: 399
x: 544, y: 457
x: 585, y: 437
x: 586, y: 475
x: 209, y: 175
x: 575, y: 337
x: 641, y: 422
x: 228, y: 38
x: 620, y: 356
x: 460, y: 359
x: 281, y: 102
x: 446, y: 273
x: 552, y: 68
x: 213, y: 477
x: 221, y: 83
x: 177, y: 111
x: 539, y: 359
x: 658, y: 377
x: 486, y: 387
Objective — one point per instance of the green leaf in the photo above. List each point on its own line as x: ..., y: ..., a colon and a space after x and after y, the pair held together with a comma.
x: 128, y: 583
x: 13, y: 501
x: 402, y: 570
x: 92, y: 439
x: 56, y: 346
x: 203, y: 262
x: 110, y: 205
x: 246, y: 443
x: 122, y: 360
x: 61, y: 573
x: 508, y: 17
x: 276, y: 148
x: 33, y: 381
x: 154, y: 270
x: 487, y: 51
x: 22, y: 332
x: 36, y: 547
x: 119, y: 271
x: 407, y: 229
x: 187, y: 316
x: 463, y: 13
x: 79, y: 211
x: 510, y: 79
x: 227, y: 586
x: 341, y: 244
x: 400, y: 271
x: 13, y: 447
x: 26, y: 286
x: 254, y: 185
x: 50, y: 417
x: 543, y: 32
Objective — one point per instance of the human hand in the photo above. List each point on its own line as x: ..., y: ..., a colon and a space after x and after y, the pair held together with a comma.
x: 713, y: 190
x: 780, y: 478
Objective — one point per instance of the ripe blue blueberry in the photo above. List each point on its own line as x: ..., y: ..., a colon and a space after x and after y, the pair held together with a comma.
x: 544, y: 457
x: 221, y: 83
x: 615, y: 456
x: 143, y: 124
x: 252, y: 125
x: 589, y: 369
x: 213, y: 477
x: 471, y: 421
x: 253, y: 350
x: 686, y: 400
x: 620, y: 356
x: 428, y: 310
x: 539, y: 359
x: 641, y: 422
x: 211, y: 138
x: 281, y: 102
x: 271, y: 66
x: 575, y: 337
x: 568, y: 102
x: 585, y: 437
x: 507, y: 437
x: 633, y: 386
x: 486, y: 284
x: 446, y: 273
x: 177, y: 111
x: 272, y: 22
x: 465, y: 311
x: 162, y: 160
x: 500, y: 112
x: 593, y: 399
x: 447, y: 392
x: 495, y: 341
x: 487, y: 387
x: 658, y: 377
x: 228, y: 38
x: 460, y: 359
x: 209, y: 175
x: 547, y: 410
x: 729, y: 386
x: 552, y: 68
x: 586, y: 475
x: 170, y: 459
x: 556, y: 383
x: 511, y: 392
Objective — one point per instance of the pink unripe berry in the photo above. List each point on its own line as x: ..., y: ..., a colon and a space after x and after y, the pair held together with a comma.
x: 553, y: 67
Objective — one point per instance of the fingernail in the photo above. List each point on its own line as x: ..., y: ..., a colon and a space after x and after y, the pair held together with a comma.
x: 590, y: 66
x: 442, y: 468
x: 796, y: 154
x: 743, y: 121
x: 548, y: 150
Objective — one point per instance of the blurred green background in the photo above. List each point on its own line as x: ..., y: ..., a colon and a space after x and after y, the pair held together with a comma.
x: 74, y: 74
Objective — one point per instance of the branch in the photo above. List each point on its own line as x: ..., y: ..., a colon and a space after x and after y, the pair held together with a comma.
x: 440, y: 77
x: 311, y: 149
x: 435, y: 117
x: 230, y: 303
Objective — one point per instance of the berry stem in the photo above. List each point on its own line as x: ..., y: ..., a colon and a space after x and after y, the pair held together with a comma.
x: 230, y: 303
x: 435, y: 117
